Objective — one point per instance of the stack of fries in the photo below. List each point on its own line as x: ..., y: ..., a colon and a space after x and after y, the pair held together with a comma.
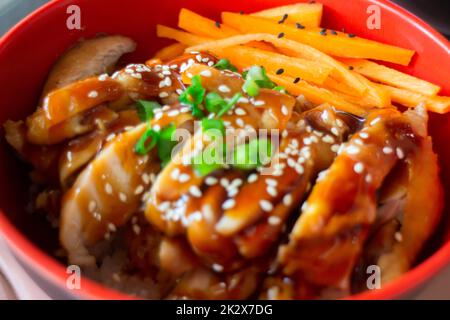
x: 323, y: 65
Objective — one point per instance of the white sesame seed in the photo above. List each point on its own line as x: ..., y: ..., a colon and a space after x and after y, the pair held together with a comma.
x: 352, y: 150
x: 328, y: 139
x: 364, y: 135
x: 123, y: 197
x: 259, y: 103
x: 93, y: 94
x: 224, y: 182
x: 223, y: 88
x: 108, y: 188
x: 240, y: 122
x: 206, y: 73
x: 265, y: 205
x: 374, y: 121
x: 252, y: 178
x: 358, y: 167
x: 195, y: 191
x: 92, y: 206
x: 184, y: 177
x: 163, y: 94
x: 103, y: 77
x: 398, y: 236
x: 299, y: 168
x: 335, y: 147
x: 387, y: 150
x: 271, y: 191
x: 110, y: 137
x: 335, y: 131
x: 284, y: 110
x: 112, y: 227
x: 210, y: 181
x: 368, y: 178
x: 136, y: 229
x: 271, y: 182
x: 243, y: 100
x: 240, y: 112
x: 400, y: 153
x: 228, y: 204
x: 273, y: 220
x: 287, y: 200
x: 173, y: 113
x: 217, y: 267
x: 139, y: 189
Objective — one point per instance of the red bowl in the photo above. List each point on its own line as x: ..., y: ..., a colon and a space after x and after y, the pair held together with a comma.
x: 29, y: 49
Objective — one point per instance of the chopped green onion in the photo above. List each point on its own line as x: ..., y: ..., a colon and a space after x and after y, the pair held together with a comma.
x: 209, y: 124
x: 256, y: 78
x: 251, y: 87
x: 251, y: 155
x: 224, y: 64
x: 209, y: 160
x: 281, y: 89
x: 193, y: 96
x: 166, y: 144
x: 230, y: 104
x: 143, y: 146
x: 145, y: 109
x: 214, y: 102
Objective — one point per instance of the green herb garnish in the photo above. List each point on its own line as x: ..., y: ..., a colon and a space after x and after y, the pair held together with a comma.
x: 145, y: 109
x: 193, y: 96
x: 251, y: 155
x: 256, y: 78
x: 229, y: 104
x: 224, y: 64
x: 147, y: 142
x: 166, y: 144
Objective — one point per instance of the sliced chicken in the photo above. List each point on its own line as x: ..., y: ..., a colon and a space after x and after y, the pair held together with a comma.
x: 88, y: 58
x: 329, y: 235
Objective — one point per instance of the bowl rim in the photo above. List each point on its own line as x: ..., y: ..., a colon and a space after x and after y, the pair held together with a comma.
x: 52, y: 270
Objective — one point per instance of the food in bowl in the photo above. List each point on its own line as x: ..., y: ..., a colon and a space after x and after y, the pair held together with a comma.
x: 301, y: 161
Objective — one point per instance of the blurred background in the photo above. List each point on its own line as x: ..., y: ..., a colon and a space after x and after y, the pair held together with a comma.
x: 435, y: 12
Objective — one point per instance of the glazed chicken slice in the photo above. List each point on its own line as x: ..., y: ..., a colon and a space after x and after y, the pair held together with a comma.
x: 328, y: 237
x: 407, y: 217
x: 178, y: 181
x: 88, y: 58
x: 109, y: 190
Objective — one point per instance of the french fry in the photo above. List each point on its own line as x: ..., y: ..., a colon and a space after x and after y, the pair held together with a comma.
x: 392, y: 77
x: 170, y: 52
x: 291, y: 48
x: 243, y: 57
x: 339, y: 45
x: 308, y: 14
x: 318, y: 95
x: 438, y: 104
x: 199, y: 25
x: 180, y: 36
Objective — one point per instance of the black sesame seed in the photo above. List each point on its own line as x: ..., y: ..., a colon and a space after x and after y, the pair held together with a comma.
x: 241, y: 12
x: 296, y: 80
x: 280, y: 71
x: 323, y: 32
x: 280, y: 35
x: 350, y: 68
x: 283, y: 19
x: 217, y: 24
x: 299, y: 25
x: 351, y: 35
x: 334, y: 33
